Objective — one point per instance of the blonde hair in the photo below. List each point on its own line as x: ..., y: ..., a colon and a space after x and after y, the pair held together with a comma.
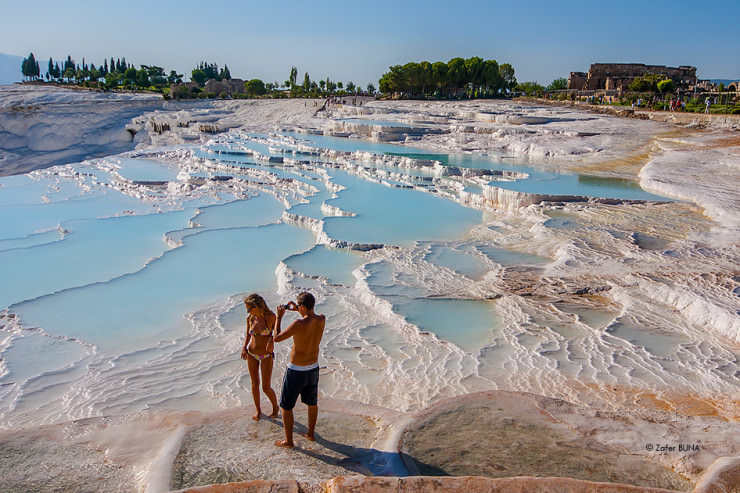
x: 258, y: 302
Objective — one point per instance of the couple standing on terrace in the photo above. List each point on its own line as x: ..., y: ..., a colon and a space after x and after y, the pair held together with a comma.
x: 302, y: 375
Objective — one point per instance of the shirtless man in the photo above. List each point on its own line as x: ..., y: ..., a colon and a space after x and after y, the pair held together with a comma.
x: 302, y: 375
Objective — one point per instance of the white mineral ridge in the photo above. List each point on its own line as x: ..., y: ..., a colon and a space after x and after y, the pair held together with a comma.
x: 651, y: 288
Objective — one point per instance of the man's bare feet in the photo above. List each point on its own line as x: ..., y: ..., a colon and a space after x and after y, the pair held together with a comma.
x: 308, y: 437
x: 283, y: 443
x: 257, y: 415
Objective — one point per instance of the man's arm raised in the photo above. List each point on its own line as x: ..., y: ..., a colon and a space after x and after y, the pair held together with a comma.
x: 287, y: 333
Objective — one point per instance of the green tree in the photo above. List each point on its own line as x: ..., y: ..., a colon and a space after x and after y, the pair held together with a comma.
x: 507, y: 74
x: 424, y: 77
x: 530, y: 88
x: 558, y: 84
x: 371, y: 88
x: 174, y: 77
x: 474, y: 72
x: 199, y: 76
x: 439, y: 75
x: 492, y: 79
x: 255, y: 87
x: 666, y: 86
x: 306, y: 82
x: 112, y: 79
x: 142, y: 78
x: 293, y: 78
x: 646, y: 83
x: 392, y: 82
x: 210, y: 70
x: 69, y: 73
x: 456, y: 73
x: 30, y: 68
x: 130, y: 75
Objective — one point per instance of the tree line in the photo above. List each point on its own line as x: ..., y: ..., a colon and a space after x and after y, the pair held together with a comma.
x: 458, y: 78
x: 291, y: 87
x: 119, y: 74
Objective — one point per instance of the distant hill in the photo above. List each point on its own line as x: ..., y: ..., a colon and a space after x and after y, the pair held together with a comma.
x: 10, y: 68
x: 723, y: 81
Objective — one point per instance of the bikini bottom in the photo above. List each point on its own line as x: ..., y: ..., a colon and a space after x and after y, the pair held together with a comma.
x: 260, y: 357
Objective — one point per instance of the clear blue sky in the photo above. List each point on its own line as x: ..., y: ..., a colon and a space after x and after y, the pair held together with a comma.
x: 358, y: 41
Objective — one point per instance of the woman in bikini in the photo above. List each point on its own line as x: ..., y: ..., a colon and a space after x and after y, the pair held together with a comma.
x: 258, y: 350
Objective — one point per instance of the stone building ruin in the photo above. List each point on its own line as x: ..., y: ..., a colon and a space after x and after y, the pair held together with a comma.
x: 618, y: 76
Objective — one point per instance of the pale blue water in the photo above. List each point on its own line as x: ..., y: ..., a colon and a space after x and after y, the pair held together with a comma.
x: 148, y: 305
x: 394, y: 216
x: 336, y: 265
x: 466, y: 323
x: 459, y: 261
x: 147, y: 170
x: 91, y: 267
x: 22, y: 220
x: 92, y: 251
x: 260, y: 210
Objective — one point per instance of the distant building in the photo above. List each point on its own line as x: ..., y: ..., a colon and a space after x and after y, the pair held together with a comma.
x: 618, y: 76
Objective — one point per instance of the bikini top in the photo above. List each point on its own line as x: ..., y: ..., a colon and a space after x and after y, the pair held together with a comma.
x: 258, y: 327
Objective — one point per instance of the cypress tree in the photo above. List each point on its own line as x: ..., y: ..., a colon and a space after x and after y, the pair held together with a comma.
x: 50, y: 68
x: 30, y: 67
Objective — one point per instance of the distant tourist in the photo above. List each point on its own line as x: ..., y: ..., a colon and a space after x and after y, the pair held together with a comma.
x: 258, y: 351
x: 302, y: 375
x: 707, y: 103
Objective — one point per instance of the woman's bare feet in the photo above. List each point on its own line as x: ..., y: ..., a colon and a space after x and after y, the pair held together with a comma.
x: 274, y: 413
x: 308, y: 437
x: 283, y: 443
x: 257, y: 415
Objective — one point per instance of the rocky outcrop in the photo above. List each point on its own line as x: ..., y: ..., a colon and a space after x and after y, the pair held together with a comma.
x: 231, y: 86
